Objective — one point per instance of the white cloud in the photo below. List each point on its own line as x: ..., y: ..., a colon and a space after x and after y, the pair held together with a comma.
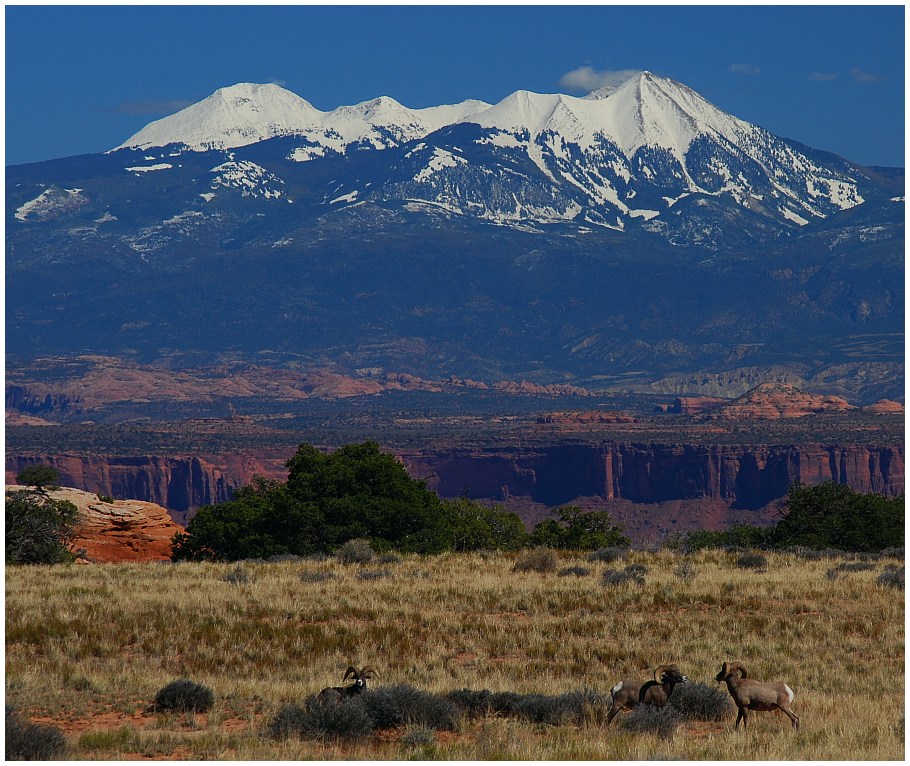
x: 822, y: 76
x: 585, y: 79
x: 859, y: 75
x: 749, y: 69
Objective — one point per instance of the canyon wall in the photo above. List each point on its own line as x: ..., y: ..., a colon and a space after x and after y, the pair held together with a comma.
x: 180, y: 484
x: 739, y: 477
x: 743, y: 477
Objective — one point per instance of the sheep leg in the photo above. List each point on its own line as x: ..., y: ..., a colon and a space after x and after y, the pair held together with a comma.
x: 742, y: 716
x: 794, y: 719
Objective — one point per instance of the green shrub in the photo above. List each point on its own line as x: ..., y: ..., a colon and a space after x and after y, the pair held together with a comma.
x: 184, y: 696
x: 702, y: 702
x: 39, y: 530
x: 757, y: 561
x: 892, y: 578
x: 325, y: 721
x: 27, y: 741
x: 39, y: 477
x: 540, y: 559
x: 356, y: 551
x: 832, y: 515
x: 629, y: 576
x: 575, y: 571
x: 390, y: 707
x: 652, y: 720
x: 609, y: 554
x: 578, y: 530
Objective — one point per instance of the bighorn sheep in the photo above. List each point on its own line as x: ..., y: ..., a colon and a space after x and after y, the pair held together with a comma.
x: 749, y: 694
x: 627, y: 694
x: 658, y: 691
x: 341, y: 693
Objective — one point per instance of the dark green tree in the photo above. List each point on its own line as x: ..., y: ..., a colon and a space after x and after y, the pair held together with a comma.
x: 575, y: 529
x: 832, y: 515
x: 328, y: 499
x: 39, y: 477
x: 739, y: 536
x: 475, y: 526
x: 39, y: 530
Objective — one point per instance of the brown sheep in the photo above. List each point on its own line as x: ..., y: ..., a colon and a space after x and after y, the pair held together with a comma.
x: 749, y: 694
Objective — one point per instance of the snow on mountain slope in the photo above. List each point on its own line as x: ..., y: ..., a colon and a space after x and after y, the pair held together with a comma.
x: 236, y: 116
x: 247, y: 113
x: 622, y: 156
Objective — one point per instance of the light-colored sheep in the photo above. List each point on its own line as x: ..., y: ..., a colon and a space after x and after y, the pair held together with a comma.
x: 749, y: 694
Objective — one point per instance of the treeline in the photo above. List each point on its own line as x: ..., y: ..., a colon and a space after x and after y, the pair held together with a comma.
x: 358, y: 492
x: 825, y: 516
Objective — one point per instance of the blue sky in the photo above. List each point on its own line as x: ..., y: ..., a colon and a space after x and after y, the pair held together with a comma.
x: 82, y: 79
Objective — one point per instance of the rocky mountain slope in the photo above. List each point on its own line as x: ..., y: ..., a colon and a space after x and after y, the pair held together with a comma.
x: 634, y: 238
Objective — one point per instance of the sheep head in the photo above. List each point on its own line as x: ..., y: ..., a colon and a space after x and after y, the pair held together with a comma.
x: 669, y: 674
x: 728, y: 669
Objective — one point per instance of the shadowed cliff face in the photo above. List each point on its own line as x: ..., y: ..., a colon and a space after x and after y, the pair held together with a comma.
x: 743, y: 477
x: 740, y: 478
x: 179, y: 484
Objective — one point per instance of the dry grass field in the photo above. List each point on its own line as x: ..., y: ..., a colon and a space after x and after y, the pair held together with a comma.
x: 88, y: 648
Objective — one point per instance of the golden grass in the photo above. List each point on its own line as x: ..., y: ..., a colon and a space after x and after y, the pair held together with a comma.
x: 87, y: 649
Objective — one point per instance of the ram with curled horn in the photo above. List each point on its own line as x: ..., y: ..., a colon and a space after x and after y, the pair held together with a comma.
x: 342, y: 693
x: 749, y: 694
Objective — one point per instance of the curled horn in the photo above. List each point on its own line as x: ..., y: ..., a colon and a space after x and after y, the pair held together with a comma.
x: 659, y: 672
x: 351, y: 671
x: 368, y: 671
x: 737, y: 666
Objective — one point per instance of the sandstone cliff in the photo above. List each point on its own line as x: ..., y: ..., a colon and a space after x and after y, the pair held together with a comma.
x: 122, y: 530
x: 180, y: 484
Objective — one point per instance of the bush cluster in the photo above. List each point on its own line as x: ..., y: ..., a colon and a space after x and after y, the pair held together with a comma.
x: 695, y: 700
x: 39, y: 530
x: 27, y: 741
x: 184, y: 696
x: 540, y: 559
x: 634, y: 574
x: 386, y: 708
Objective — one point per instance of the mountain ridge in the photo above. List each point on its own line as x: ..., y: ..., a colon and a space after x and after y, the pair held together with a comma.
x: 484, y: 253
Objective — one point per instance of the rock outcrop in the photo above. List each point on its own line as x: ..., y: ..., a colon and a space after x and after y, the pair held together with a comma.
x: 117, y: 531
x: 180, y: 484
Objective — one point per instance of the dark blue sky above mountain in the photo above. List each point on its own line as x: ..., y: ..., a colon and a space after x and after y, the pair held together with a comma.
x: 83, y: 79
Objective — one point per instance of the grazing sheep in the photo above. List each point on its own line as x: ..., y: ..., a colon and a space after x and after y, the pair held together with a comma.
x: 749, y: 694
x: 658, y: 691
x: 626, y: 694
x: 342, y: 693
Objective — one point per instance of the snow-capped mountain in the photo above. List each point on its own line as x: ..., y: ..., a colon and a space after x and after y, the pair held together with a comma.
x: 622, y: 157
x: 635, y: 232
x: 247, y: 113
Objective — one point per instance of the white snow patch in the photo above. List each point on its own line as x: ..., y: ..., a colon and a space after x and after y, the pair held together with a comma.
x: 791, y: 216
x: 646, y: 214
x: 440, y: 159
x: 345, y: 197
x: 147, y: 168
x: 208, y: 196
x: 49, y: 203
